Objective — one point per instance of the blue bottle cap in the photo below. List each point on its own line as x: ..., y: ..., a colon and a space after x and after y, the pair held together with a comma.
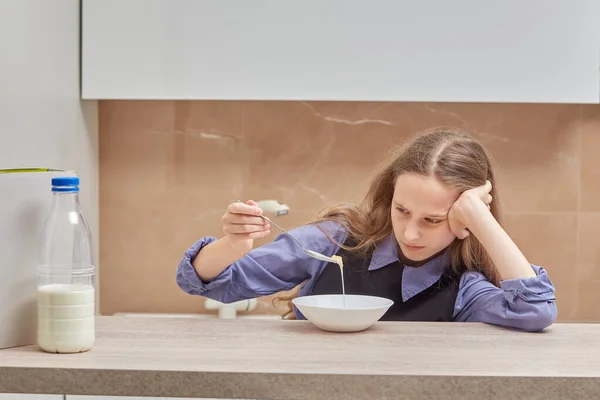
x: 65, y: 184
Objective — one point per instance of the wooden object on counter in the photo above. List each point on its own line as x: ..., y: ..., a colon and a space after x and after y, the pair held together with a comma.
x: 265, y: 359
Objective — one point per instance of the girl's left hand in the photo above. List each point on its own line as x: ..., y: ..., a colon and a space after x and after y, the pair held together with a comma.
x: 470, y: 203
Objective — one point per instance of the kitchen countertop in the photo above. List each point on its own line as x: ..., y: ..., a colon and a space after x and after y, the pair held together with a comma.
x: 265, y: 359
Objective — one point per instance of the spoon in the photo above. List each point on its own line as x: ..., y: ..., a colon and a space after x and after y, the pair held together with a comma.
x: 311, y: 253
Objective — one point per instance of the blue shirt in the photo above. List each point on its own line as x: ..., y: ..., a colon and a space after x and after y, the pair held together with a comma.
x: 526, y: 304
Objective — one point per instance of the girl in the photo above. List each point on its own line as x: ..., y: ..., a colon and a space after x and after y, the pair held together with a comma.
x: 427, y: 236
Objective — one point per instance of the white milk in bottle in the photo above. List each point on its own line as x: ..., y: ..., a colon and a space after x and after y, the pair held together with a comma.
x: 66, y: 293
x: 66, y: 315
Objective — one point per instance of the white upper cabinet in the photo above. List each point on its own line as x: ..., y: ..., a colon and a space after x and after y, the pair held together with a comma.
x: 543, y: 51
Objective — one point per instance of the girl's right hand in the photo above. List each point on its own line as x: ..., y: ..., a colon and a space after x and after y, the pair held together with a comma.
x: 242, y: 224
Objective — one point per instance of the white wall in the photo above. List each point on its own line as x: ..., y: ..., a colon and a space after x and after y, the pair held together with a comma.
x: 42, y: 121
x: 540, y: 51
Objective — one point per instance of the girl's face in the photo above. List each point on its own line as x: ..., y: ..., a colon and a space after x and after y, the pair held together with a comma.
x: 419, y: 213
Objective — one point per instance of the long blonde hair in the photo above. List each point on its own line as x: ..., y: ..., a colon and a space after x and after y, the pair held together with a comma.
x: 450, y: 155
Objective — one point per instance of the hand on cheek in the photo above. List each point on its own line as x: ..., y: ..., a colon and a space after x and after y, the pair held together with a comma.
x: 467, y: 208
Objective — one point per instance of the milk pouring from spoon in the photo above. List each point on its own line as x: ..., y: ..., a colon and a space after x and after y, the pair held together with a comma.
x: 334, y: 259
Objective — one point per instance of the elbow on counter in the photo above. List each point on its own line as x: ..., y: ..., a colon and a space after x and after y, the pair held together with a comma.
x: 218, y: 289
x: 543, y: 317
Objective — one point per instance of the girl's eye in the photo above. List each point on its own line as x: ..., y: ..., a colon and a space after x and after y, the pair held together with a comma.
x: 433, y: 221
x: 402, y: 210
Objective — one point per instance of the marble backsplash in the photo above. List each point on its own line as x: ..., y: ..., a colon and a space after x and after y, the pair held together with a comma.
x: 168, y: 170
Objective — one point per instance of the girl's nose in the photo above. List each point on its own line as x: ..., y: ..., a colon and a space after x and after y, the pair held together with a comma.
x: 412, y: 233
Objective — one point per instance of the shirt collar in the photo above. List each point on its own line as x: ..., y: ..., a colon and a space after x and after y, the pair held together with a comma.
x: 414, y: 279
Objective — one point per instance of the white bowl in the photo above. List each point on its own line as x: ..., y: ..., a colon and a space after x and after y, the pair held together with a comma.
x: 327, y: 311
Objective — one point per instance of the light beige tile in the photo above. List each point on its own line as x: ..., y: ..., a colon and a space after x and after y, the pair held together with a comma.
x: 168, y: 171
x: 589, y: 248
x: 590, y: 159
x: 588, y: 293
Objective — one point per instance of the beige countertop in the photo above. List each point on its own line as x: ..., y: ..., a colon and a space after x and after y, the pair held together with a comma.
x: 265, y: 359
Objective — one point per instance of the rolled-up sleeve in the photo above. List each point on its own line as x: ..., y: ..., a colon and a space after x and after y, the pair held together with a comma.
x: 527, y: 304
x: 276, y: 266
x: 187, y: 278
